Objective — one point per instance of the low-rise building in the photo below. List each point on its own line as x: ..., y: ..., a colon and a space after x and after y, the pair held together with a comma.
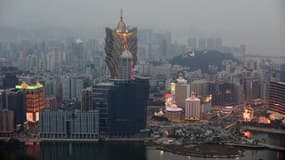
x: 69, y: 124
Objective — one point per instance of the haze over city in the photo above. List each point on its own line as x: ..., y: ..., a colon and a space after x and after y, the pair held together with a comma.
x: 257, y: 23
x: 144, y: 80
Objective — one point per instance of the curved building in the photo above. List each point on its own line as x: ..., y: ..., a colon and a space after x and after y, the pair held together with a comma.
x: 174, y: 113
x: 116, y: 41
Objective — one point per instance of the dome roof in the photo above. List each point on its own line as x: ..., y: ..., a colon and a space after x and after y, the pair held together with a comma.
x: 192, y: 98
x: 174, y: 108
x: 126, y: 54
x: 121, y: 27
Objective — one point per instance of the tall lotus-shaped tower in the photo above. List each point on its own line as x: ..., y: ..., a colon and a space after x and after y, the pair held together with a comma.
x: 116, y: 41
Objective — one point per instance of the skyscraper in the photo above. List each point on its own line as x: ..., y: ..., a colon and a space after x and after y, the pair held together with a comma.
x: 122, y: 100
x: 277, y: 98
x: 192, y: 43
x: 118, y: 40
x: 10, y: 80
x: 69, y: 124
x: 35, y: 100
x: 6, y: 122
x: 86, y: 99
x: 77, y: 52
x: 223, y: 93
x: 125, y: 65
x: 182, y: 90
x: 192, y: 108
x: 15, y: 101
x: 72, y: 86
x: 122, y: 106
x: 202, y: 43
x: 2, y: 99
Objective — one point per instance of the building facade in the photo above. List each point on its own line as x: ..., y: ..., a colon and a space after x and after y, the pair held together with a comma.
x: 223, y: 93
x: 69, y: 124
x: 6, y: 122
x: 192, y: 108
x: 86, y: 99
x: 182, y: 91
x: 72, y: 86
x: 174, y: 113
x: 277, y: 98
x: 122, y: 106
x: 50, y: 102
x: 34, y: 99
x: 15, y: 101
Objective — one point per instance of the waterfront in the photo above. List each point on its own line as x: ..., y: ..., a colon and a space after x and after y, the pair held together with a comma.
x: 128, y: 151
x: 137, y: 150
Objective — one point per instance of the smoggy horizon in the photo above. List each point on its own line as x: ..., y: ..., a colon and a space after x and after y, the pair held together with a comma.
x: 257, y: 23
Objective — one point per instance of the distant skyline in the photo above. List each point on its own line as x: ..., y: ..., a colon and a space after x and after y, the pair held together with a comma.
x: 257, y: 23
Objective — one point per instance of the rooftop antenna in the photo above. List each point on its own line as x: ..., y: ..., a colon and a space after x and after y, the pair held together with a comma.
x: 121, y: 14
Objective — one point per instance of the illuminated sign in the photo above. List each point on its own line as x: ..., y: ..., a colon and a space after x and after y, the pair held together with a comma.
x: 24, y: 85
x: 30, y: 117
x: 168, y: 100
x: 172, y: 88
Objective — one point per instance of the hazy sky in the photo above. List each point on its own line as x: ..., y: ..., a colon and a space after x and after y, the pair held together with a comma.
x: 258, y: 23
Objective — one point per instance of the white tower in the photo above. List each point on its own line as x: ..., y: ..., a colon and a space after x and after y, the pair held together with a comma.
x: 125, y: 66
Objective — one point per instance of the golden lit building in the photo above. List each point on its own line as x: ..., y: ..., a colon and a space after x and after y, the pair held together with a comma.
x: 116, y: 41
x: 35, y: 100
x: 248, y: 113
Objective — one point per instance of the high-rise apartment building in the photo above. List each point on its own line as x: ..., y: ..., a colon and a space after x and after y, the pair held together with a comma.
x: 77, y: 53
x: 192, y: 43
x: 9, y: 80
x: 202, y: 43
x: 252, y: 88
x: 223, y: 93
x: 182, y: 91
x: 6, y: 122
x: 86, y: 99
x: 15, y: 101
x: 72, y: 86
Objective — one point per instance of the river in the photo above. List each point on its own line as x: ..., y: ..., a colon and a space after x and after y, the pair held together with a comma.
x: 136, y: 151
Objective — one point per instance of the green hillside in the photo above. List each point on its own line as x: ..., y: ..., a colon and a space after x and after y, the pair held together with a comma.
x: 202, y: 59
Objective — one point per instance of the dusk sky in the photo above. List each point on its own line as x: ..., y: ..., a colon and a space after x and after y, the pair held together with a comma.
x: 258, y: 23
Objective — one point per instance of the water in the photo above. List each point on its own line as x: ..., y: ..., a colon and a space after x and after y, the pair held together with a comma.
x: 136, y: 151
x: 129, y: 151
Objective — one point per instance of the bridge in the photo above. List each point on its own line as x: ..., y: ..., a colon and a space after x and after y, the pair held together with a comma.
x: 263, y: 129
x: 258, y: 146
x: 230, y: 125
x: 263, y: 56
x: 272, y: 147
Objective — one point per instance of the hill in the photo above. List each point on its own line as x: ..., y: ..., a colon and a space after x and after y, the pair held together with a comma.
x: 202, y: 59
